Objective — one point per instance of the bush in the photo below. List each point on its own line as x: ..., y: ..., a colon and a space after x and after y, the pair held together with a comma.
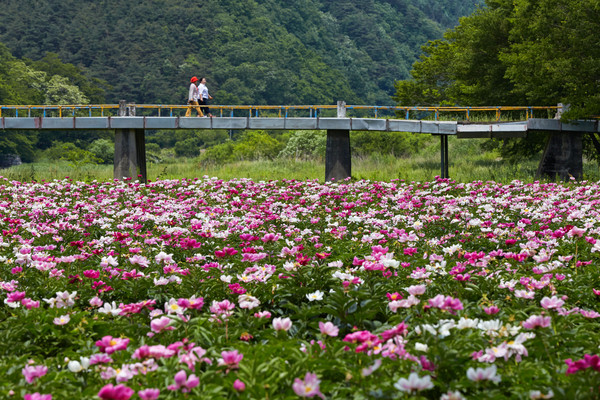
x: 189, y: 147
x: 305, y: 145
x: 104, y: 150
x: 219, y: 154
x: 153, y: 153
x: 256, y: 145
x: 71, y: 153
x: 399, y: 144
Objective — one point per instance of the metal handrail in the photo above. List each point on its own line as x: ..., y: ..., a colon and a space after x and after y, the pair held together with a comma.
x: 282, y: 111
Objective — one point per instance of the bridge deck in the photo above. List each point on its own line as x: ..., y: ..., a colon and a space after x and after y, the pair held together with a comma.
x: 460, y: 129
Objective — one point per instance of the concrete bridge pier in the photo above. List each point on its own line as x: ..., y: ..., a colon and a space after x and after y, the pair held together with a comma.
x: 444, y: 157
x: 338, y: 160
x: 130, y: 150
x: 338, y: 163
x: 562, y: 157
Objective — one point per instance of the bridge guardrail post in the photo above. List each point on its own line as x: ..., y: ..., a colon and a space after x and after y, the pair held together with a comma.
x: 122, y: 108
x: 341, y: 109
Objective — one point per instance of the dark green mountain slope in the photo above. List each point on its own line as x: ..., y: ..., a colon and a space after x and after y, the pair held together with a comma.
x: 251, y: 51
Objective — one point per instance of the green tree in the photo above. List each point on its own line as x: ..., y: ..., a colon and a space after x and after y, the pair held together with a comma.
x: 58, y: 90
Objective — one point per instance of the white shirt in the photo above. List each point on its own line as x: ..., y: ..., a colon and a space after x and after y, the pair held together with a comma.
x: 203, y: 91
x: 193, y: 95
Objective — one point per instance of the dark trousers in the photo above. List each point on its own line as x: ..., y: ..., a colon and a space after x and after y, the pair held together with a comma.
x: 204, y: 103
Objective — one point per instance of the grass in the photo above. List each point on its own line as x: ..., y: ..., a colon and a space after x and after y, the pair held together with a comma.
x: 466, y: 163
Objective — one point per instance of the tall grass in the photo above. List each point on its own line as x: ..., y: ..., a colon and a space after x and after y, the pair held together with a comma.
x: 467, y: 162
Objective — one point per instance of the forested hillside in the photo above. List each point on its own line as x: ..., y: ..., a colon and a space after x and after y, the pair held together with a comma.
x: 251, y: 51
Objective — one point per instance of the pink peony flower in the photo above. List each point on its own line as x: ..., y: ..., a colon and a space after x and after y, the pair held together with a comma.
x: 551, y: 302
x: 536, y: 321
x: 29, y: 304
x: 589, y: 314
x: 262, y: 314
x: 309, y: 387
x: 372, y: 368
x: 101, y: 358
x: 282, y: 324
x: 414, y: 383
x: 400, y: 330
x: 445, y: 303
x: 328, y: 329
x: 161, y: 324
x: 32, y: 372
x: 62, y: 320
x: 96, y: 301
x: 222, y: 307
x: 524, y: 294
x: 483, y: 374
x: 416, y: 290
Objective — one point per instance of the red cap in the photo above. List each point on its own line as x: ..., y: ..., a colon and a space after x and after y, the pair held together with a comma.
x: 194, y: 79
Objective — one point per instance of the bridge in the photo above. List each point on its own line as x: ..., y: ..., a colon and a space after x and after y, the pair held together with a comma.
x: 129, y: 121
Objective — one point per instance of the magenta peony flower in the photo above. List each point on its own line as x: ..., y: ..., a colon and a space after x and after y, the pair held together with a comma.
x: 183, y: 382
x: 109, y: 345
x: 37, y: 396
x: 491, y: 310
x: 118, y: 392
x: 230, y: 359
x: 239, y: 386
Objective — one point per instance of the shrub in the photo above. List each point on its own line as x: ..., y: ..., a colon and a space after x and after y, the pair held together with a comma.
x: 305, y: 145
x: 103, y: 149
x: 400, y: 144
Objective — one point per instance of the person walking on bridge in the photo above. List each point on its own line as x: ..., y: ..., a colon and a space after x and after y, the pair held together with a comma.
x: 204, y: 96
x: 193, y: 97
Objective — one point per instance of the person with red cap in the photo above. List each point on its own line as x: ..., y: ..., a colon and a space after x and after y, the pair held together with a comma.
x: 193, y: 96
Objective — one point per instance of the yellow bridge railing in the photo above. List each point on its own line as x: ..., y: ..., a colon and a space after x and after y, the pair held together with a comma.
x: 365, y: 111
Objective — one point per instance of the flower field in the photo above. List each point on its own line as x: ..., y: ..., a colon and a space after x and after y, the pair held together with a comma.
x: 215, y: 289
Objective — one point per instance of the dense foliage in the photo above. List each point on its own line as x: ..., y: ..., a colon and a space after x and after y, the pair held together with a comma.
x: 251, y: 51
x: 219, y: 289
x: 45, y: 81
x: 515, y: 53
